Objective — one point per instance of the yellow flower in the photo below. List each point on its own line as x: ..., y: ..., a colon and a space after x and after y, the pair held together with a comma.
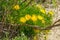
x: 28, y: 17
x: 35, y: 38
x: 40, y: 17
x: 43, y: 11
x: 22, y: 19
x: 34, y: 18
x: 16, y: 7
x: 47, y: 31
x: 43, y: 21
x: 39, y: 6
x: 51, y: 12
x: 36, y: 30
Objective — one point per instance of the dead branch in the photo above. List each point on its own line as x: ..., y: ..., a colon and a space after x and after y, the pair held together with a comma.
x: 33, y: 26
x: 56, y: 22
x: 38, y: 27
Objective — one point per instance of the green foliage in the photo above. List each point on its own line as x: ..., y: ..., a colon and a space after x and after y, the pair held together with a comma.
x: 31, y: 10
x: 15, y: 13
x: 28, y: 31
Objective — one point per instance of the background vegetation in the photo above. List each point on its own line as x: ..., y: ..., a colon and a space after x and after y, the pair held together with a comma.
x: 23, y: 19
